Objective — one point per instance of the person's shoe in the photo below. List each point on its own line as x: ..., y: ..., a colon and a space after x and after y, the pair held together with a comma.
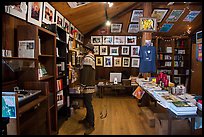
x: 89, y: 130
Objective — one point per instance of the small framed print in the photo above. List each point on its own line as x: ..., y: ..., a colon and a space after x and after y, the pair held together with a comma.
x: 19, y: 10
x: 175, y: 15
x: 126, y: 62
x: 96, y: 40
x: 177, y: 80
x: 125, y: 50
x: 159, y: 14
x: 66, y: 25
x: 48, y: 13
x: 119, y: 40
x: 59, y: 19
x: 103, y: 50
x: 114, y: 51
x: 99, y: 61
x: 135, y: 51
x: 35, y: 13
x: 107, y: 61
x: 136, y: 14
x: 108, y: 40
x: 135, y: 62
x: 116, y: 28
x: 131, y: 40
x: 71, y: 28
x: 96, y: 50
x: 133, y: 28
x: 148, y: 24
x: 117, y: 61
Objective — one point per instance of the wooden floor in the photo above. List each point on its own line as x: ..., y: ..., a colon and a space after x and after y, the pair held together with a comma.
x: 124, y: 117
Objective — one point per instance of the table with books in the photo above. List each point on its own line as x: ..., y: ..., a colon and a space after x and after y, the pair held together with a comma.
x: 183, y: 106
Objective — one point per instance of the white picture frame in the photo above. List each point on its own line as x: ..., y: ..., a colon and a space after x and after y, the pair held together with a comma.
x: 71, y: 28
x: 136, y: 14
x: 119, y: 40
x: 107, y: 40
x: 96, y: 40
x: 66, y: 25
x: 108, y: 61
x: 135, y: 51
x: 114, y: 51
x: 35, y: 13
x: 159, y: 14
x: 99, y: 61
x: 125, y: 50
x: 48, y: 13
x: 117, y: 61
x: 59, y: 19
x: 135, y: 63
x: 126, y: 61
x: 116, y: 27
x: 19, y: 11
x: 131, y: 40
x: 96, y: 50
x: 133, y: 28
x: 103, y: 50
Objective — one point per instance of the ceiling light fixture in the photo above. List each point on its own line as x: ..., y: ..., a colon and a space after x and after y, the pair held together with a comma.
x: 108, y: 23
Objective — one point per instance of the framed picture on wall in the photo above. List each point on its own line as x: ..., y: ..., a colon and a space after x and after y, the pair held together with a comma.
x: 116, y: 28
x: 114, y: 51
x: 166, y: 27
x: 107, y: 61
x: 99, y: 61
x: 71, y: 28
x: 119, y: 40
x: 35, y: 13
x: 159, y: 14
x: 96, y: 40
x: 133, y: 28
x: 126, y: 62
x: 148, y: 24
x: 19, y: 11
x: 131, y: 40
x: 199, y: 37
x: 174, y: 16
x: 96, y: 50
x: 48, y: 13
x: 135, y: 51
x: 66, y: 25
x: 59, y: 19
x: 108, y: 40
x: 125, y: 50
x: 135, y: 62
x: 191, y: 16
x: 136, y: 14
x: 117, y: 61
x: 103, y: 50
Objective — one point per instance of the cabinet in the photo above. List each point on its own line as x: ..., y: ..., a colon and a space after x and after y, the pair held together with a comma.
x: 173, y: 58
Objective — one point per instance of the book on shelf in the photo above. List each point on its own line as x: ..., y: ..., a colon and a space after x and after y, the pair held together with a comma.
x: 39, y: 45
x: 60, y: 98
x: 26, y: 49
x: 59, y: 84
x: 41, y: 70
x: 57, y: 52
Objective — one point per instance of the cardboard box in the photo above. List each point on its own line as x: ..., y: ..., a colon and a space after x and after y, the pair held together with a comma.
x: 179, y: 126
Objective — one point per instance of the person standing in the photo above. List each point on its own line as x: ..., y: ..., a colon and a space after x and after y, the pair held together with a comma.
x: 87, y: 81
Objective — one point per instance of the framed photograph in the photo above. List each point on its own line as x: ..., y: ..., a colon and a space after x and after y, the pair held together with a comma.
x: 199, y: 52
x: 131, y: 40
x: 17, y: 10
x: 133, y: 28
x: 59, y: 19
x: 148, y: 24
x: 126, y: 62
x: 71, y: 28
x: 114, y: 51
x: 108, y: 40
x: 103, y: 50
x: 135, y: 51
x: 77, y: 4
x: 48, y: 13
x: 117, y: 61
x: 99, y: 61
x: 116, y: 28
x: 159, y: 14
x: 166, y: 27
x: 174, y: 16
x: 136, y: 14
x: 96, y: 50
x: 198, y: 37
x: 107, y: 61
x: 96, y: 40
x: 177, y: 80
x: 35, y: 13
x: 135, y: 62
x: 125, y: 50
x: 119, y: 40
x: 66, y: 25
x: 191, y: 16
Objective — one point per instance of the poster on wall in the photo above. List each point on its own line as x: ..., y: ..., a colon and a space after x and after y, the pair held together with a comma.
x: 136, y: 14
x: 148, y: 24
x: 133, y: 28
x: 116, y: 28
x: 59, y: 19
x: 159, y: 14
x: 48, y: 13
x: 191, y: 16
x: 175, y: 15
x: 35, y: 13
x: 166, y: 27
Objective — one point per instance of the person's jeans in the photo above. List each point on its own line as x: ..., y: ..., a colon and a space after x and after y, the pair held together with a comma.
x: 89, y: 108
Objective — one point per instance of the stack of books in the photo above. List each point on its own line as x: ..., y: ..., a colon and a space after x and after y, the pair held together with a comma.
x: 183, y: 108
